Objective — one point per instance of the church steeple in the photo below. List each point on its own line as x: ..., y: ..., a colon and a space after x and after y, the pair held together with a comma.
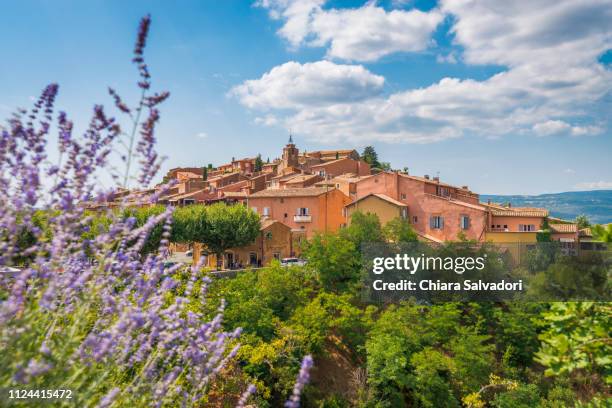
x: 290, y: 154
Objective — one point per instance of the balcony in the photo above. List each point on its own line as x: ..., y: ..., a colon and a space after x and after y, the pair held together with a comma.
x: 302, y: 218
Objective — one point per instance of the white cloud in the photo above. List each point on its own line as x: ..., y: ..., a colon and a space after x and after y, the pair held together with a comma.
x: 294, y: 85
x: 357, y: 34
x: 268, y: 120
x: 586, y: 130
x: 554, y: 127
x: 569, y: 171
x: 552, y: 83
x: 594, y: 185
x: 550, y: 127
x: 450, y: 58
x: 202, y: 135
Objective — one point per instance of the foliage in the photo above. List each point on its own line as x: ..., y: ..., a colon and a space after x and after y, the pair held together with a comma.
x: 258, y: 163
x: 399, y: 230
x: 370, y: 156
x: 91, y: 311
x: 577, y: 337
x: 218, y: 226
x: 544, y: 234
x: 335, y: 259
x: 364, y: 228
x: 582, y: 221
x: 602, y: 233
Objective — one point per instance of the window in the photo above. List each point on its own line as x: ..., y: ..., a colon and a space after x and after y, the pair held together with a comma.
x: 188, y: 201
x: 285, y: 215
x: 404, y: 213
x: 464, y: 222
x: 268, y: 235
x: 254, y: 209
x: 337, y: 185
x: 344, y: 212
x: 302, y: 211
x: 526, y: 228
x: 442, y: 191
x: 505, y: 226
x: 276, y: 255
x: 322, y: 173
x: 403, y: 196
x: 282, y: 200
x: 436, y: 222
x: 415, y: 219
x: 266, y: 211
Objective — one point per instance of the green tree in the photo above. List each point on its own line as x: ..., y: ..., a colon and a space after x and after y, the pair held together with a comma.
x: 335, y: 259
x: 432, y: 370
x: 385, y: 166
x: 399, y: 230
x: 370, y: 156
x: 582, y: 221
x: 577, y: 337
x: 218, y: 226
x: 544, y: 235
x: 364, y: 228
x: 521, y: 396
x: 204, y: 173
x: 258, y: 163
x: 229, y: 226
x: 602, y: 233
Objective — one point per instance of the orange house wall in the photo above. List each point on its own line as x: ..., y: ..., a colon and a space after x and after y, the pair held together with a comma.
x: 325, y: 210
x: 344, y: 166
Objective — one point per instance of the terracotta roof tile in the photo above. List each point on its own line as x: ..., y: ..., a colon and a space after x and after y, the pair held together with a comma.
x: 563, y: 228
x: 519, y: 212
x: 292, y: 192
x: 382, y: 197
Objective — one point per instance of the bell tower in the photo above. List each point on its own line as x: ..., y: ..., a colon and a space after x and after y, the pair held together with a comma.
x: 290, y: 154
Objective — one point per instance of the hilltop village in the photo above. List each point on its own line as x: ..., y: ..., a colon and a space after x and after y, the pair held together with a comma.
x: 303, y: 193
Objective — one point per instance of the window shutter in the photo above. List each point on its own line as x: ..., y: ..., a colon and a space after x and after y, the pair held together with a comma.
x: 431, y: 222
x: 441, y: 222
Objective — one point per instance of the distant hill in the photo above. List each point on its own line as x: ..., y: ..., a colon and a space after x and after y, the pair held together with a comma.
x: 597, y: 205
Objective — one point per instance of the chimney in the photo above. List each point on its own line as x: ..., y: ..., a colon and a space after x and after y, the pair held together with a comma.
x: 427, y: 177
x: 489, y: 201
x: 465, y: 187
x: 437, y: 179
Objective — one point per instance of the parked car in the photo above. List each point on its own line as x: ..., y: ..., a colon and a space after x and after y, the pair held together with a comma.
x: 293, y: 262
x: 189, y: 253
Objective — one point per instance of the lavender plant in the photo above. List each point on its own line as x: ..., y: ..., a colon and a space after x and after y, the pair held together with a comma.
x: 93, y: 314
x: 302, y: 379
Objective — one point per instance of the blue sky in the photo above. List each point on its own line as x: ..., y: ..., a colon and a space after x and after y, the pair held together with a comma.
x: 506, y: 105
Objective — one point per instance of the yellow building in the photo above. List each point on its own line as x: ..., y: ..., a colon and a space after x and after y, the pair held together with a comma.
x: 384, y: 206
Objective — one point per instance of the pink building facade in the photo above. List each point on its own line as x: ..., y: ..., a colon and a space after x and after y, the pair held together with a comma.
x: 437, y: 211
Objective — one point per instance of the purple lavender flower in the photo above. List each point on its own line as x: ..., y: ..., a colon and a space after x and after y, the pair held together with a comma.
x: 251, y: 389
x: 101, y: 306
x: 300, y: 383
